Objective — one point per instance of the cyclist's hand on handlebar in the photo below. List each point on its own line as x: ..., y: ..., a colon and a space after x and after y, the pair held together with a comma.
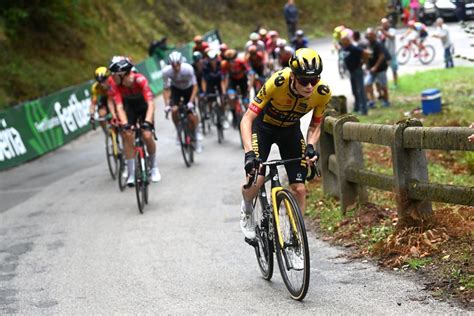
x: 148, y: 126
x: 114, y: 121
x: 167, y: 109
x: 251, y: 162
x: 190, y: 105
x: 311, y: 154
x: 127, y: 127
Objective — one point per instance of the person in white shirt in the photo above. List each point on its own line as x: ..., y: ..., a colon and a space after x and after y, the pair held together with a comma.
x: 442, y: 33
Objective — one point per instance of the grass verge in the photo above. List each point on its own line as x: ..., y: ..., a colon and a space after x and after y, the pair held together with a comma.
x: 441, y: 251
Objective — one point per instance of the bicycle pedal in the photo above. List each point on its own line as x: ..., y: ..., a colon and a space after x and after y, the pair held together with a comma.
x: 251, y: 242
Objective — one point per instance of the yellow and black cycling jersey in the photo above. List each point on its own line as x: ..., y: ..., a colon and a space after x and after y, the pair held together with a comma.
x: 99, y: 94
x: 279, y: 105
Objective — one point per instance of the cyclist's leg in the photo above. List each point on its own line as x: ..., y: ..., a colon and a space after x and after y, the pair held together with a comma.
x: 128, y: 138
x: 192, y: 117
x: 292, y: 144
x: 262, y: 140
x: 175, y: 99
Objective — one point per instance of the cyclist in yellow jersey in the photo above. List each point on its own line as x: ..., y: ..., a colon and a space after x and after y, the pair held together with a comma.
x: 274, y: 118
x: 99, y: 96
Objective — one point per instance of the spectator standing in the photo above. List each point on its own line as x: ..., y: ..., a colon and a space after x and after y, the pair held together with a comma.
x: 353, y: 59
x: 442, y: 33
x: 291, y: 17
x: 377, y: 69
x: 387, y: 36
x: 414, y: 9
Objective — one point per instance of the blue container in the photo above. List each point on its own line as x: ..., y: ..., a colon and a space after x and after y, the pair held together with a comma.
x: 431, y: 101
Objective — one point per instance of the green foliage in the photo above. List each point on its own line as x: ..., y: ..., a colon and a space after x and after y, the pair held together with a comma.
x: 417, y: 263
x: 65, y: 41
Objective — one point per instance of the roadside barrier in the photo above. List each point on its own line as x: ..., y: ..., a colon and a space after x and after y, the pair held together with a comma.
x: 33, y: 128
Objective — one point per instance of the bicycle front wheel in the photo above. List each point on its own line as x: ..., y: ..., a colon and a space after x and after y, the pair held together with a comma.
x: 186, y: 146
x: 219, y: 121
x: 112, y: 158
x: 122, y: 172
x: 264, y: 245
x: 292, y: 249
x: 427, y: 54
x: 403, y: 55
x: 140, y: 182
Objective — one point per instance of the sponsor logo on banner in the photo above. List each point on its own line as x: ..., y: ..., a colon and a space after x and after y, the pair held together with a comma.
x: 75, y: 115
x: 11, y: 143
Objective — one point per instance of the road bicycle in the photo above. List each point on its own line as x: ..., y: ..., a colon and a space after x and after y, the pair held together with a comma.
x: 217, y: 114
x: 185, y: 134
x: 280, y: 229
x: 142, y: 167
x: 239, y: 108
x: 205, y: 115
x: 113, y: 147
x: 425, y: 53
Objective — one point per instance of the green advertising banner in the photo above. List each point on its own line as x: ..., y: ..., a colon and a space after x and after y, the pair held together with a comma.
x: 34, y: 128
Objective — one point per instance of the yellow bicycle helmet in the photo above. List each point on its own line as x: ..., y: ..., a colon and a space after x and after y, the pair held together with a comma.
x: 306, y: 62
x: 101, y: 74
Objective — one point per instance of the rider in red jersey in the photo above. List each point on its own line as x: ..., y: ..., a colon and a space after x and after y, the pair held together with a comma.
x: 133, y: 98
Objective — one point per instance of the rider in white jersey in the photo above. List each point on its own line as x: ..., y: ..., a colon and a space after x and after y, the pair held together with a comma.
x: 180, y: 82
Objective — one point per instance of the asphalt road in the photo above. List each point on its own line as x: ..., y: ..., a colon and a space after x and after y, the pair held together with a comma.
x: 71, y: 243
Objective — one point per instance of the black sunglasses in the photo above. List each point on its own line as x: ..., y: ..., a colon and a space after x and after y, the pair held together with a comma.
x: 304, y: 81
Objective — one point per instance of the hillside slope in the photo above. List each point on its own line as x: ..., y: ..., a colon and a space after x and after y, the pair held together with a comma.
x: 47, y: 45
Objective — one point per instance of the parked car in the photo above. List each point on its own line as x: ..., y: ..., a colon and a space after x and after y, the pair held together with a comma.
x: 449, y: 10
x: 433, y: 9
x: 464, y: 9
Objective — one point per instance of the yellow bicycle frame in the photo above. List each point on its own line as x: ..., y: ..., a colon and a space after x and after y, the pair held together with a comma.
x: 289, y: 209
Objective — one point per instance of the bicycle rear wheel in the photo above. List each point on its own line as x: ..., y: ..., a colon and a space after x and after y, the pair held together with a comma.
x: 112, y: 159
x: 293, y: 255
x: 403, y: 55
x: 264, y: 246
x: 140, y: 180
x: 427, y: 54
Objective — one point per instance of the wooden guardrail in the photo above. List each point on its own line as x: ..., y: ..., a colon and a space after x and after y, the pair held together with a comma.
x: 344, y: 175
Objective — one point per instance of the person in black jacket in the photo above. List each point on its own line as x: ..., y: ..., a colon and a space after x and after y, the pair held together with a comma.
x: 353, y: 59
x: 291, y: 17
x: 377, y: 69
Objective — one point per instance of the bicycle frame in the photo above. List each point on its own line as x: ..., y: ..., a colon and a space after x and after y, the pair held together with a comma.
x: 140, y: 149
x: 276, y: 186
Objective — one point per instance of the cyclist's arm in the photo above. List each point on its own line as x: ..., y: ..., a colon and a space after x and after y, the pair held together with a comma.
x: 148, y: 96
x: 166, y: 96
x: 111, y: 106
x: 194, y: 93
x: 204, y: 85
x: 121, y: 113
x: 116, y: 97
x: 93, y: 102
x: 246, y: 129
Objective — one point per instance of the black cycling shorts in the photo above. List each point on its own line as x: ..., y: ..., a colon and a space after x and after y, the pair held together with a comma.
x: 289, y: 140
x: 241, y: 83
x: 135, y: 107
x: 176, y: 95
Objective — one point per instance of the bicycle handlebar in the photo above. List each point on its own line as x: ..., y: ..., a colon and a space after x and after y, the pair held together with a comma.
x: 314, y: 170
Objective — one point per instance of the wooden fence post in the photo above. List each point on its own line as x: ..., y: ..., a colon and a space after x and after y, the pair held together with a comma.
x: 409, y: 165
x: 326, y: 145
x: 348, y: 153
